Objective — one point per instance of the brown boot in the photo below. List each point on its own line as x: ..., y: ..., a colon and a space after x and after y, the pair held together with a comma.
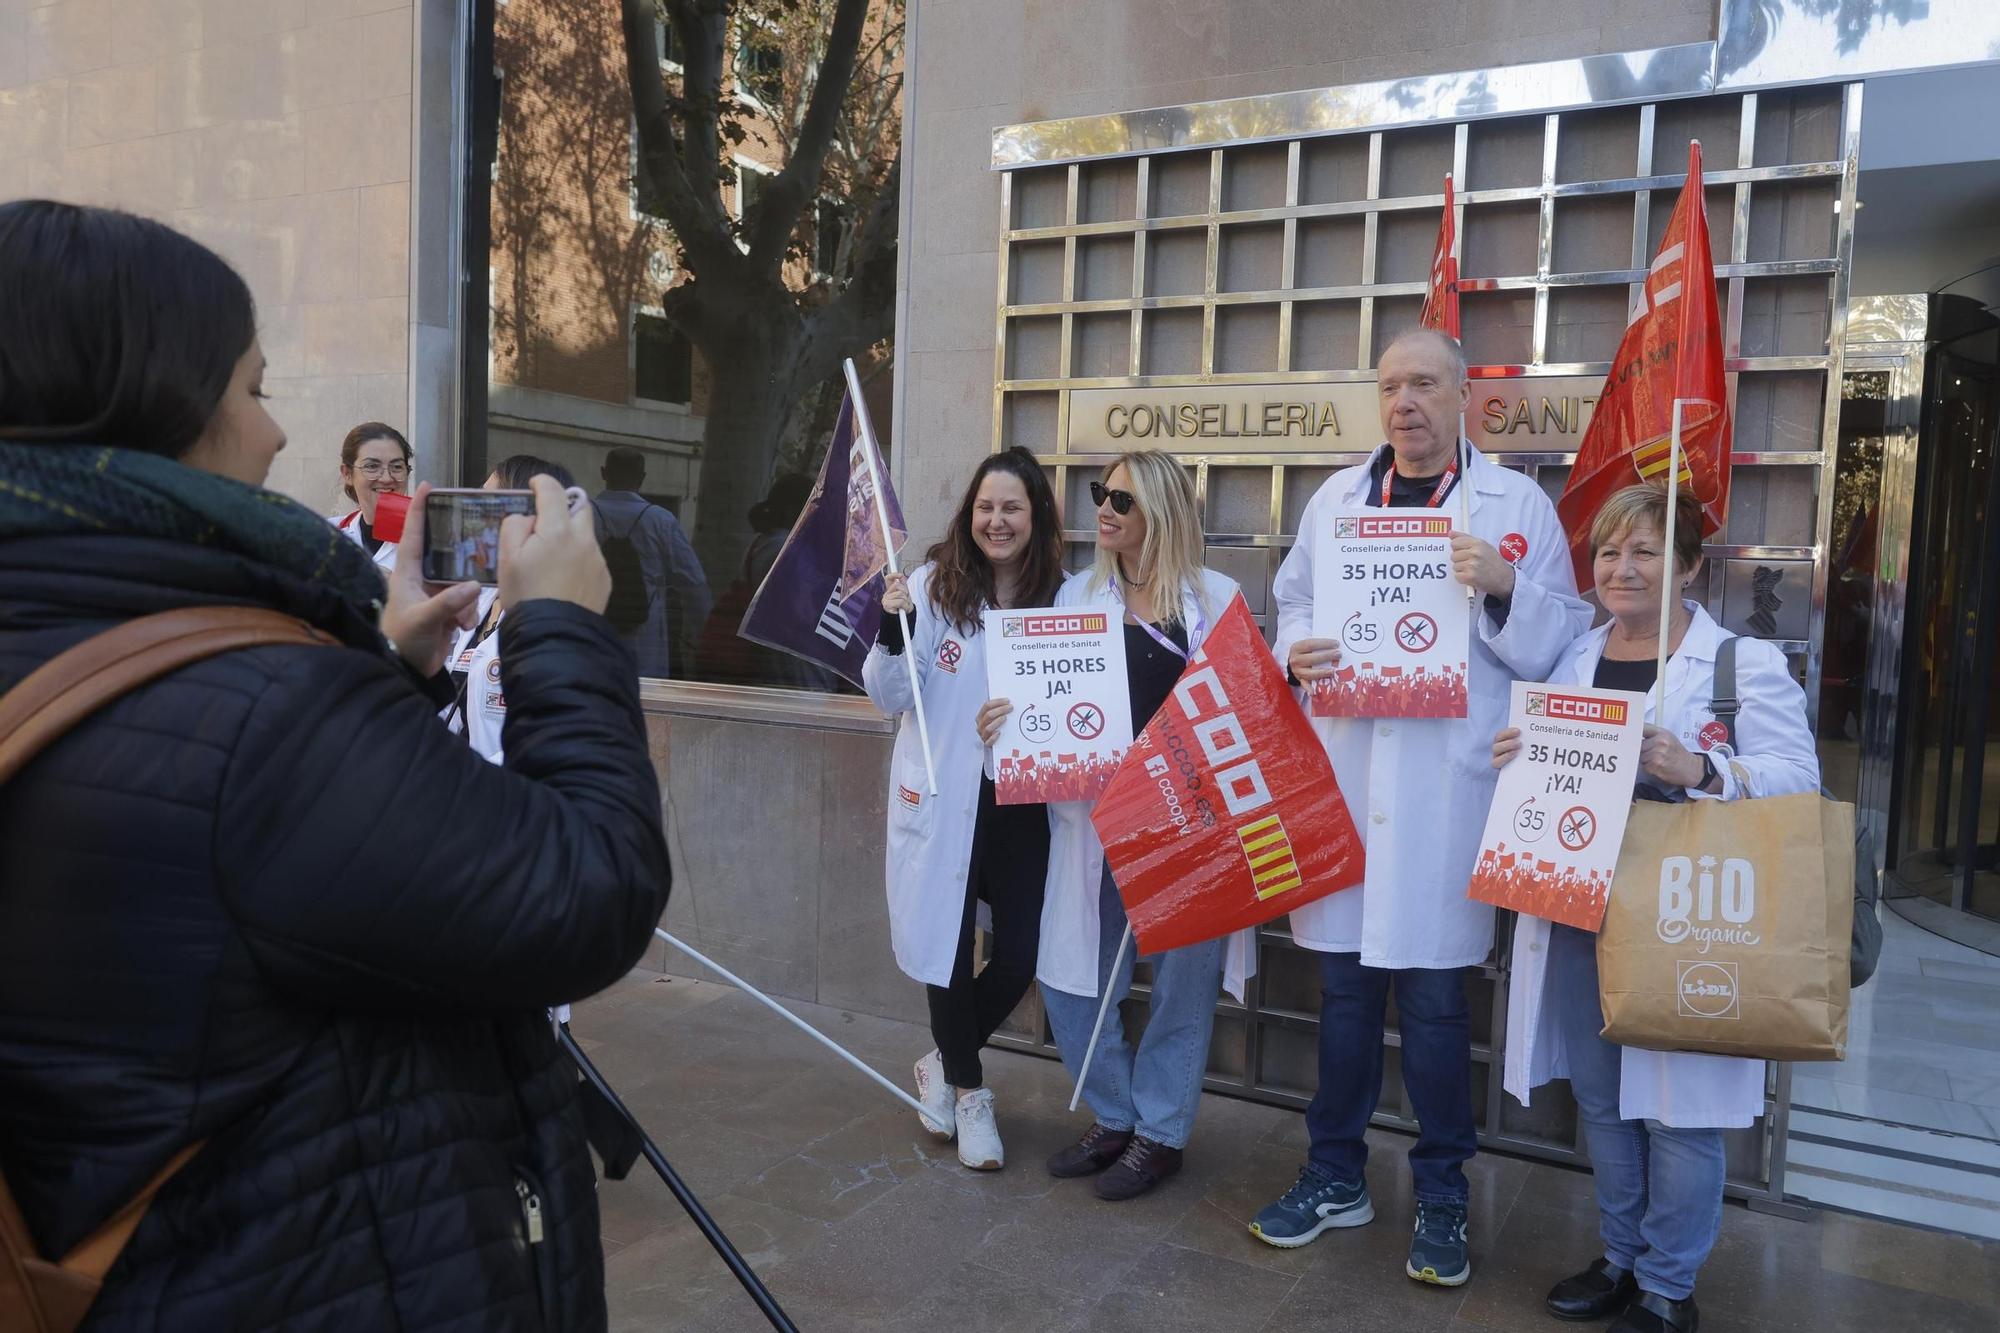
x: 1098, y: 1148
x: 1144, y: 1164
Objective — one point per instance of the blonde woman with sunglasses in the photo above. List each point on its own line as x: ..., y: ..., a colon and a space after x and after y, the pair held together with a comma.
x: 1144, y: 1092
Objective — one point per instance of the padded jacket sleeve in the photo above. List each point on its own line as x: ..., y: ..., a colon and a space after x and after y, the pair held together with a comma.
x: 373, y: 861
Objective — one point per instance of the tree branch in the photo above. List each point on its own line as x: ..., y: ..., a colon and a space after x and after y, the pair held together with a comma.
x: 785, y: 199
x: 693, y: 208
x: 863, y: 313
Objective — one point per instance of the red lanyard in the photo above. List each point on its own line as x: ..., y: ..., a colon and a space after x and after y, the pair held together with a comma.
x: 1437, y: 496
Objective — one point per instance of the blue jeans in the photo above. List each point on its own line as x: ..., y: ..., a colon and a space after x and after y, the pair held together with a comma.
x: 1659, y: 1190
x: 1437, y: 1069
x: 1155, y: 1087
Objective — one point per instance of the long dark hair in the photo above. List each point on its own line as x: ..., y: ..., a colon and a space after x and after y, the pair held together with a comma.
x: 517, y: 471
x: 117, y: 330
x: 962, y: 582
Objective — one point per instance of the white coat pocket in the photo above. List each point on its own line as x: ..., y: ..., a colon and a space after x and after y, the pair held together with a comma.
x: 912, y: 809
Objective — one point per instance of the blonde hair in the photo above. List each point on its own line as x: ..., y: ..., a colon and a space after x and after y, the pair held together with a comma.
x: 1646, y: 502
x: 1170, y: 558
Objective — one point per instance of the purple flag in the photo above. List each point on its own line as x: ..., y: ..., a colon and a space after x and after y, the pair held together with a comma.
x: 799, y: 608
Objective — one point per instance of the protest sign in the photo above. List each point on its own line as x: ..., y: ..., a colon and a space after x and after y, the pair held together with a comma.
x: 1397, y: 613
x: 1064, y: 668
x: 1225, y: 812
x: 1558, y: 813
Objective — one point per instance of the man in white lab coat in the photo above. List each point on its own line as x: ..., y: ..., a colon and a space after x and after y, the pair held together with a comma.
x: 1419, y: 789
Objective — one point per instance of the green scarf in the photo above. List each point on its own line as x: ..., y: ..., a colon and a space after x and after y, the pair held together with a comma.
x: 63, y: 489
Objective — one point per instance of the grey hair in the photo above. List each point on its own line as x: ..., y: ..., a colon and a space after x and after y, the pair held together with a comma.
x: 1438, y: 338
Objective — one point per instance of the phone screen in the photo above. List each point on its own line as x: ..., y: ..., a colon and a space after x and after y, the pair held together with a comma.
x: 462, y: 533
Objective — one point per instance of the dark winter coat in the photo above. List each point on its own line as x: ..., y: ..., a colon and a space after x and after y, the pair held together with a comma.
x: 271, y: 903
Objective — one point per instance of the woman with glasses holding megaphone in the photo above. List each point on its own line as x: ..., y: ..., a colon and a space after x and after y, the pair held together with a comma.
x: 375, y: 461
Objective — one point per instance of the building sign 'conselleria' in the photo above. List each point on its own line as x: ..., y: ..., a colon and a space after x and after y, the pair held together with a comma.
x: 1522, y: 414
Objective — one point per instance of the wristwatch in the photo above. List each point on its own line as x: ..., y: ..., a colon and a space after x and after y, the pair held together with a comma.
x: 1714, y: 772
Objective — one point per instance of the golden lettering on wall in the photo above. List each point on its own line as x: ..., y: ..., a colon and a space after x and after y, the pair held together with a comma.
x: 1522, y: 414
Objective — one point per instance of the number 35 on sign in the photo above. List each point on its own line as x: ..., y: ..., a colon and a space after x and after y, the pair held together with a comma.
x: 1384, y: 591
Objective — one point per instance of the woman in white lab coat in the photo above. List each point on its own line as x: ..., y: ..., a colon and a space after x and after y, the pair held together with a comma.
x: 1142, y: 1094
x: 478, y: 709
x: 952, y: 851
x: 1653, y: 1120
x: 374, y: 461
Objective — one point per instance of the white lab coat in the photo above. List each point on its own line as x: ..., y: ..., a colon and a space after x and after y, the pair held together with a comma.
x: 351, y: 525
x: 1418, y: 788
x: 485, y: 710
x: 930, y: 837
x: 1681, y: 1089
x: 1069, y: 951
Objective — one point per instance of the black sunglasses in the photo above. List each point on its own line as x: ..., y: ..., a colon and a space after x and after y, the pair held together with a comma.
x: 1121, y: 501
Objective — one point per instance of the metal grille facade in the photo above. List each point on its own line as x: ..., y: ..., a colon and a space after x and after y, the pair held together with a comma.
x: 1298, y: 260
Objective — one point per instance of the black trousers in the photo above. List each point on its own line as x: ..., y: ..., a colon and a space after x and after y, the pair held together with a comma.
x: 1009, y: 869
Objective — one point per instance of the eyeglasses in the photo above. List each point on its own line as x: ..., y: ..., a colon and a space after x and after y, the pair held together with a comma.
x: 1121, y: 501
x: 375, y: 469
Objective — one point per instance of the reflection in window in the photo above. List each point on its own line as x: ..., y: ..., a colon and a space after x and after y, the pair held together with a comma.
x: 760, y: 67
x: 662, y: 361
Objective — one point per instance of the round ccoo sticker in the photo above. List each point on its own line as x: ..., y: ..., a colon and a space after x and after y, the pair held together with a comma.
x: 1712, y: 735
x: 1513, y: 548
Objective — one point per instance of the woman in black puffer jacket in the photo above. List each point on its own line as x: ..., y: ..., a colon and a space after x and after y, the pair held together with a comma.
x: 268, y: 901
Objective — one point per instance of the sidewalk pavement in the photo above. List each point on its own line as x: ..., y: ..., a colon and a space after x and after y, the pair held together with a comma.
x: 858, y: 1220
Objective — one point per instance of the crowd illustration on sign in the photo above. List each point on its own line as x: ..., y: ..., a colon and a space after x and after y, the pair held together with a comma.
x: 1523, y: 882
x: 1391, y: 692
x: 1052, y: 777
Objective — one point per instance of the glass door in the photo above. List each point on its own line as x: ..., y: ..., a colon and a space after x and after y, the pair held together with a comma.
x: 1947, y: 845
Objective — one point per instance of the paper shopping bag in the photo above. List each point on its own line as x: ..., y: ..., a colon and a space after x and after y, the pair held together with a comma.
x: 1729, y: 928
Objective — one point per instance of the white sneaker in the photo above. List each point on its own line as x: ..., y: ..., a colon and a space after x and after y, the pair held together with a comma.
x: 978, y: 1136
x: 936, y: 1094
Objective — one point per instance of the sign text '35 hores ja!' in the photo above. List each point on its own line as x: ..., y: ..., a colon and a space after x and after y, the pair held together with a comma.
x: 1558, y: 813
x: 1225, y: 813
x: 1397, y: 613
x: 1064, y: 669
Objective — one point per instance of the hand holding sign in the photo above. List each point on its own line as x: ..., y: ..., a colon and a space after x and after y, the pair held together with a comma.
x: 1480, y: 566
x: 1566, y: 764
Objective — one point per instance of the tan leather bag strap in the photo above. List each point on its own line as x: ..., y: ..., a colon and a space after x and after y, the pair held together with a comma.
x: 73, y: 685
x: 34, y: 1293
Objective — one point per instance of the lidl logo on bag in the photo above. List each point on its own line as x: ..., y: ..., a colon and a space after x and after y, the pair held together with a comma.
x: 1713, y: 907
x: 1707, y: 990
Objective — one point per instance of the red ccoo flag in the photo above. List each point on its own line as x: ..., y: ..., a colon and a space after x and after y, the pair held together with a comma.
x: 1441, y: 301
x: 1225, y: 812
x: 1672, y: 348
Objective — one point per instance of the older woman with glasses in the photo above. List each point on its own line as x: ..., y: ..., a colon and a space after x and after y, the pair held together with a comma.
x: 374, y: 462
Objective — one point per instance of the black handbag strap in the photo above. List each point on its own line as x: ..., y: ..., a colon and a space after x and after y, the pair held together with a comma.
x: 1723, y: 700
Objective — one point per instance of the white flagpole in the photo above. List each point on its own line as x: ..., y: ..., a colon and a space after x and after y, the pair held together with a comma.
x: 1668, y: 595
x: 1103, y: 1007
x: 867, y: 430
x: 1465, y: 495
x: 794, y: 1020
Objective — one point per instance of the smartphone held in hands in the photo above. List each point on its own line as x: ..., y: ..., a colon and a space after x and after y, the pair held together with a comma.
x: 462, y: 533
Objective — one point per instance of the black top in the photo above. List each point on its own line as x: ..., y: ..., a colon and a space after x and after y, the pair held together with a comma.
x: 1638, y: 677
x: 369, y: 541
x: 1151, y: 672
x: 1404, y: 492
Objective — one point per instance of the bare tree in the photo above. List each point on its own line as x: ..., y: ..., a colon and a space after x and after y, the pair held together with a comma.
x: 806, y: 276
